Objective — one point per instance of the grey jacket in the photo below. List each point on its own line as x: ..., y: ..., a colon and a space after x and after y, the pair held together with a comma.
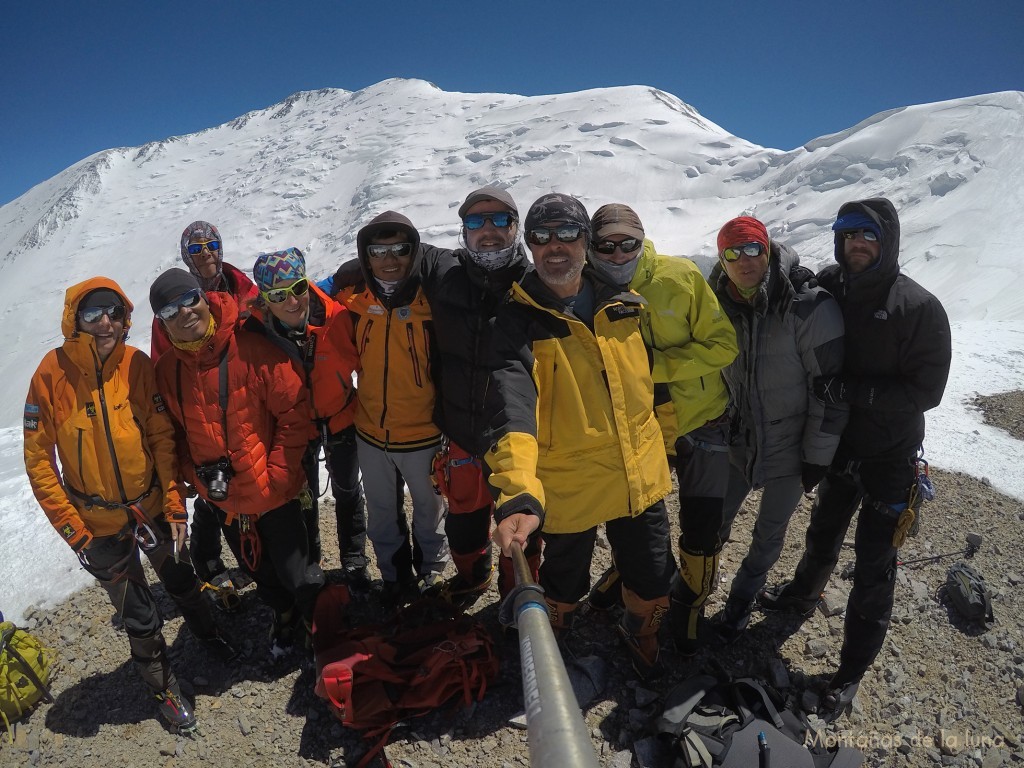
x: 790, y: 334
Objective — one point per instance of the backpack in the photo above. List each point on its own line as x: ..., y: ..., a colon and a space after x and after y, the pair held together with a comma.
x: 376, y: 675
x: 24, y: 673
x: 969, y: 594
x: 717, y: 721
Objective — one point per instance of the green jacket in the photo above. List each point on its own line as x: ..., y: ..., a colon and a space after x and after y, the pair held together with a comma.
x: 690, y: 336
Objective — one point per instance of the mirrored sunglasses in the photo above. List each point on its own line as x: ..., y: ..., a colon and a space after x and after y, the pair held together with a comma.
x: 501, y: 220
x: 115, y: 312
x: 608, y: 247
x: 170, y: 311
x: 196, y: 248
x: 398, y: 250
x: 750, y: 250
x: 867, y: 234
x: 567, y: 233
x: 279, y: 295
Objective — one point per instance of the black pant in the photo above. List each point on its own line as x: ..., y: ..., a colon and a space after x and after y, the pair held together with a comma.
x: 642, y: 554
x: 115, y: 562
x: 284, y: 577
x: 204, y: 540
x: 872, y: 486
x: 349, y: 504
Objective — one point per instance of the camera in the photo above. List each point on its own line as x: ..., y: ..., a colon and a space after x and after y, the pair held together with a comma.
x: 215, y: 476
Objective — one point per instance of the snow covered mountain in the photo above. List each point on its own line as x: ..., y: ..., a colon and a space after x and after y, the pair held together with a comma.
x: 310, y: 171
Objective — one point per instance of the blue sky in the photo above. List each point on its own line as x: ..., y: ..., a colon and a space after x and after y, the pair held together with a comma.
x: 79, y: 77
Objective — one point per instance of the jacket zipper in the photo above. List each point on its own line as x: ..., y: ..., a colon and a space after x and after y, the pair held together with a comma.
x: 110, y: 437
x: 411, y: 334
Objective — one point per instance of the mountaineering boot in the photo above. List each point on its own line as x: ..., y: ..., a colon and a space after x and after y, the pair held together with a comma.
x: 607, y: 592
x: 176, y: 709
x: 691, y: 588
x: 195, y: 611
x: 639, y: 629
x: 562, y: 616
x: 282, y: 632
x: 430, y: 585
x: 357, y: 578
x: 780, y: 599
x: 734, y: 618
x: 474, y: 573
x: 837, y: 701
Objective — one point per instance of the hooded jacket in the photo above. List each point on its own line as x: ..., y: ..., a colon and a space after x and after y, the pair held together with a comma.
x: 898, y: 346
x: 238, y: 285
x: 266, y: 425
x: 691, y: 339
x: 327, y: 356
x: 395, y: 341
x: 572, y: 410
x: 105, y: 423
x: 463, y: 300
x: 790, y: 334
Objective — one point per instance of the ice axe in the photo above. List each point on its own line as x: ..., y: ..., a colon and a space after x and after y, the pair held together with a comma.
x: 973, y: 545
x: 556, y: 730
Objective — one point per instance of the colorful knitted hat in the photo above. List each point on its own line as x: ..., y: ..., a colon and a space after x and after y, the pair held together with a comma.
x: 271, y: 269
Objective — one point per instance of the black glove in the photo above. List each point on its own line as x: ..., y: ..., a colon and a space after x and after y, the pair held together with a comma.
x: 831, y: 389
x: 811, y: 474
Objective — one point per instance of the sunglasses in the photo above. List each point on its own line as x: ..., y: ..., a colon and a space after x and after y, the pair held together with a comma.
x: 750, y: 250
x: 567, y: 233
x: 212, y: 246
x: 501, y: 220
x: 115, y: 312
x: 398, y: 250
x: 171, y: 311
x: 279, y: 295
x: 608, y: 247
x: 867, y: 234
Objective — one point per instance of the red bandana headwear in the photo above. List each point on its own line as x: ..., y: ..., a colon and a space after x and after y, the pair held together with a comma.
x: 740, y: 231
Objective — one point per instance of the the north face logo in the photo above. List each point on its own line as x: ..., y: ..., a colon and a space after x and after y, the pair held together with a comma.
x: 881, y: 314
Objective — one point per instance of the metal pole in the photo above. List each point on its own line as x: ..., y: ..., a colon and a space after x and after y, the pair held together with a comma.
x: 557, y: 734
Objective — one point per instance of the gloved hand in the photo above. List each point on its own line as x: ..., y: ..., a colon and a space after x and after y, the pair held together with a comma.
x: 831, y: 389
x: 811, y: 474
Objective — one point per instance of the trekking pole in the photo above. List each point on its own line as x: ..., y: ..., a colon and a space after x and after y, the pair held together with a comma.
x: 556, y: 731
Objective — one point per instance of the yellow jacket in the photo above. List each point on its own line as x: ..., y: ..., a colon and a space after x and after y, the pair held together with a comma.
x: 577, y: 441
x: 105, y: 425
x: 690, y: 336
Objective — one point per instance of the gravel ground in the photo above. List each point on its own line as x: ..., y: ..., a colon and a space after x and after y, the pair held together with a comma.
x: 941, y: 692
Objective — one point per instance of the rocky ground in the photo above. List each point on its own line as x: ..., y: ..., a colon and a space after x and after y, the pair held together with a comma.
x: 942, y: 692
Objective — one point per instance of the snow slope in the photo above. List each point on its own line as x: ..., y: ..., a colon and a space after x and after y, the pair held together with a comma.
x: 313, y: 169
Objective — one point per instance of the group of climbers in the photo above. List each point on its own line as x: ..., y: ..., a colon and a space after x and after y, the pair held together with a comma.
x: 550, y: 396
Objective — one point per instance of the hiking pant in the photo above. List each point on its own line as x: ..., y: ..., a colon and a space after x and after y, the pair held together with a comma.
x: 115, y: 563
x: 382, y: 471
x: 779, y: 498
x: 642, y: 554
x: 349, y: 505
x: 204, y: 540
x: 285, y: 577
x: 462, y: 480
x: 847, y: 485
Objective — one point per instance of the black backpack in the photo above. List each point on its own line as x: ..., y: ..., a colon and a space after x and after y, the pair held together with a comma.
x: 969, y: 593
x: 712, y: 721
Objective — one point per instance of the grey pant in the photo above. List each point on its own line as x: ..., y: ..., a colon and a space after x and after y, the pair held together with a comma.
x: 382, y: 470
x: 779, y: 498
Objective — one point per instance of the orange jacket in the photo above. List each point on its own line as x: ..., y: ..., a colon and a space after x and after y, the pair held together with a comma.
x: 327, y: 356
x: 238, y: 285
x: 266, y: 426
x: 106, y: 425
x: 396, y: 389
